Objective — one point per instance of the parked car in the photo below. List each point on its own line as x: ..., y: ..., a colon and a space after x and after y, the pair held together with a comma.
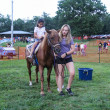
x: 7, y: 52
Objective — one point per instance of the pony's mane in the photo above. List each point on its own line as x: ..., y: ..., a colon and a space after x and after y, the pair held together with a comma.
x: 44, y: 42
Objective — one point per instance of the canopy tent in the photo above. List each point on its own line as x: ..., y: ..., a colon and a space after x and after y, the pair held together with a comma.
x: 16, y: 34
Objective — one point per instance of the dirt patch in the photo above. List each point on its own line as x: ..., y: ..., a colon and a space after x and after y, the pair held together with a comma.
x: 21, y: 52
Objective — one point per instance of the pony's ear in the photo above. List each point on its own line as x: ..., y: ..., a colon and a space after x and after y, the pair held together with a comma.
x: 48, y: 31
x: 58, y: 30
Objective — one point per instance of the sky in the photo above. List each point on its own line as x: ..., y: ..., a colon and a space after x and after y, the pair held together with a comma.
x: 26, y: 9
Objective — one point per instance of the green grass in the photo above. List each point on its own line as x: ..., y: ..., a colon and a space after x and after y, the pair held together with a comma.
x: 15, y: 93
x: 80, y: 41
x: 21, y: 44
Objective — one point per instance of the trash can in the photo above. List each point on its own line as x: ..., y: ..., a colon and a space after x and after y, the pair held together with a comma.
x: 85, y: 73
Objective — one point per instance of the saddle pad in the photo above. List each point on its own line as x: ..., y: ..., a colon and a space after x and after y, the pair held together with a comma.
x: 37, y: 48
x: 28, y: 47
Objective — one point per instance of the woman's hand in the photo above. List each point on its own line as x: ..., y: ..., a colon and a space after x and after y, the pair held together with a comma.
x: 55, y: 55
x: 63, y: 55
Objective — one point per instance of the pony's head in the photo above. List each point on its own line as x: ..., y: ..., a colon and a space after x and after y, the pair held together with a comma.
x: 53, y: 40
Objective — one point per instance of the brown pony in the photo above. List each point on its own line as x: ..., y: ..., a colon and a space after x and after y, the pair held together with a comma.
x: 45, y: 56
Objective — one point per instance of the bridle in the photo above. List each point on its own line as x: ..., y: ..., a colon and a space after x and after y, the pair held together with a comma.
x: 51, y: 44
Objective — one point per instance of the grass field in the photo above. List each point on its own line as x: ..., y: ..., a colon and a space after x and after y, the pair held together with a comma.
x: 20, y: 44
x: 15, y: 93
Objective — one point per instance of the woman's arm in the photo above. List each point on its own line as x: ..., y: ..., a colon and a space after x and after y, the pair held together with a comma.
x: 71, y: 51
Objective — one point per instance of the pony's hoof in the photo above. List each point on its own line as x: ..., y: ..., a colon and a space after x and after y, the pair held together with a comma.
x: 30, y: 83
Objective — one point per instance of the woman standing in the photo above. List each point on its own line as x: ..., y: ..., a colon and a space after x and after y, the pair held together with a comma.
x: 65, y: 58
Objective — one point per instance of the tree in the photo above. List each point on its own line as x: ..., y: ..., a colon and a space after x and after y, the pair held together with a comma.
x: 48, y: 21
x: 18, y: 24
x: 5, y: 23
x: 106, y: 23
x: 84, y: 16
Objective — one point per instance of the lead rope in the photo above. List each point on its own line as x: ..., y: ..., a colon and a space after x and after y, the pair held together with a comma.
x: 66, y: 73
x: 64, y: 66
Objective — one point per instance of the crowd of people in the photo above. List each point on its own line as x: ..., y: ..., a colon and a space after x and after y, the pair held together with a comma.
x: 24, y: 39
x: 80, y: 49
x: 103, y: 46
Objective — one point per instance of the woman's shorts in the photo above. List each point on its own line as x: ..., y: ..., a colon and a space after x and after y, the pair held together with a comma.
x: 63, y: 60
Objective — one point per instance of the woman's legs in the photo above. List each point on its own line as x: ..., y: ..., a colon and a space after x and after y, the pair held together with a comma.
x: 60, y: 76
x: 56, y: 72
x: 70, y: 67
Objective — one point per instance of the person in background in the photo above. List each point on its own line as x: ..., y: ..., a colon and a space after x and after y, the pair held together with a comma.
x: 85, y: 47
x: 105, y: 46
x: 82, y: 49
x: 78, y: 49
x: 100, y: 47
x: 8, y: 45
x: 108, y: 43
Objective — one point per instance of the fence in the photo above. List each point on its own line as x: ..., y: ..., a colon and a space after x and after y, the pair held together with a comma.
x: 92, y: 54
x: 92, y: 57
x: 20, y: 54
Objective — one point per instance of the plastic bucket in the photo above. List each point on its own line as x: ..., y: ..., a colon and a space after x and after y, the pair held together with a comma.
x: 85, y: 73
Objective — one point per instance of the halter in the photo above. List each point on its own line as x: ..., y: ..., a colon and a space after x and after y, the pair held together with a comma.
x: 51, y: 44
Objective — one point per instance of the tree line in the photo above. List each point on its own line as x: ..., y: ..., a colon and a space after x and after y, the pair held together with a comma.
x: 85, y: 17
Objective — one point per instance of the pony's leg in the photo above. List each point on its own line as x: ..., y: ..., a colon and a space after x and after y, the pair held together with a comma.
x: 29, y: 71
x: 37, y: 69
x: 48, y: 78
x: 41, y: 68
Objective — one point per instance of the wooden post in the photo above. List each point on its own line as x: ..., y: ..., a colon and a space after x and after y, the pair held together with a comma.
x: 99, y: 55
x: 18, y: 52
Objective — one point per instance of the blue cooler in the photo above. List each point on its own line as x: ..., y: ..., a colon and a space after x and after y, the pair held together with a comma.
x: 85, y: 73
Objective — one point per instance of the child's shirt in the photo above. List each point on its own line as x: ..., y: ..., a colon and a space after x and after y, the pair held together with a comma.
x: 40, y: 31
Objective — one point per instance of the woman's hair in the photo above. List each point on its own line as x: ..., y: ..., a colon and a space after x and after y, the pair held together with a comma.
x: 40, y: 21
x: 69, y: 36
